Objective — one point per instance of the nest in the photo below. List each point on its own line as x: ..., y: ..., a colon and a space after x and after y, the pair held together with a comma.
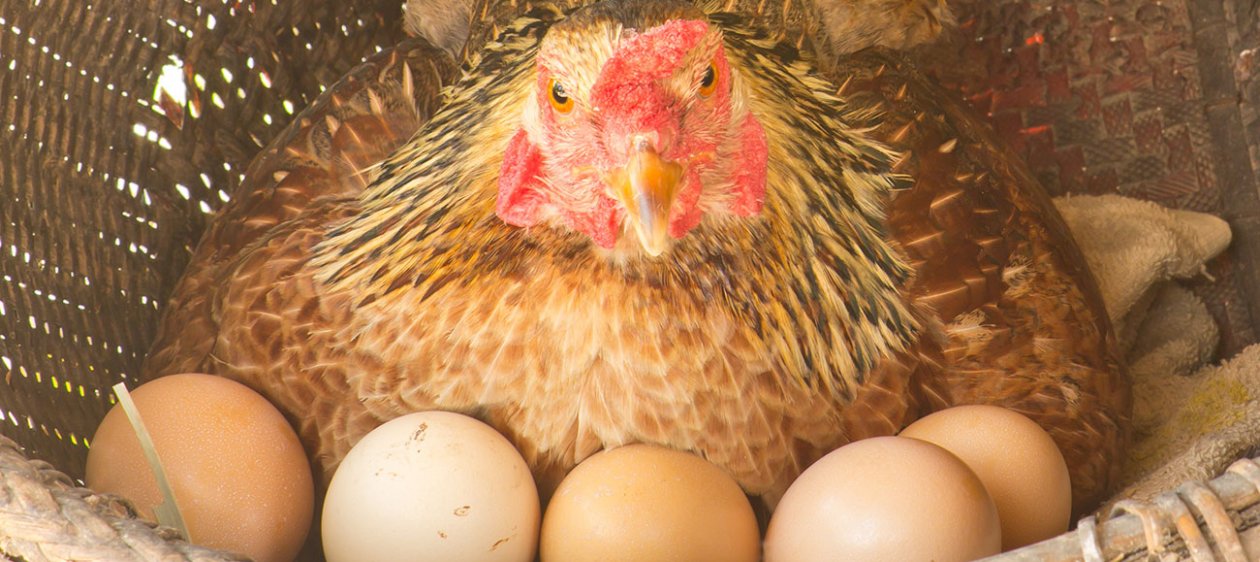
x: 126, y: 124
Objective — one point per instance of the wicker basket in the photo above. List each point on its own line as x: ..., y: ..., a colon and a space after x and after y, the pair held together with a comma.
x: 108, y: 177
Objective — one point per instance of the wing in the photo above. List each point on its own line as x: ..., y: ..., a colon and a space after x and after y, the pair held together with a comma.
x: 1024, y: 320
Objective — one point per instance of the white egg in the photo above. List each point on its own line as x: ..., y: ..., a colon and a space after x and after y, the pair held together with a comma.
x: 433, y: 486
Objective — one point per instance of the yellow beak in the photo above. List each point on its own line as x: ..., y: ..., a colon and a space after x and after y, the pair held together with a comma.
x: 646, y: 188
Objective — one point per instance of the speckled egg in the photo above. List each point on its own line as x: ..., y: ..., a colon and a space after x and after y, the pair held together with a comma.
x: 431, y: 486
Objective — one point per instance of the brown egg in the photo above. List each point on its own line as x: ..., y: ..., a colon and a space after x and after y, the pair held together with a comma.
x: 1018, y: 462
x: 641, y: 502
x: 885, y: 498
x: 238, y: 472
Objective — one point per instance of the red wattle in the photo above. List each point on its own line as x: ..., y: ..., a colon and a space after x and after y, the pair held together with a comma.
x: 602, y: 224
x: 686, y: 207
x: 749, y: 164
x: 519, y: 200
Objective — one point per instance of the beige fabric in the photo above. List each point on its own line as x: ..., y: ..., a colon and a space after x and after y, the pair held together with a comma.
x: 1190, y: 419
x: 1134, y: 246
x: 1210, y: 419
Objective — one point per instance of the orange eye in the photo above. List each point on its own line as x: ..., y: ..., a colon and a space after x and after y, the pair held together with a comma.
x: 708, y: 81
x: 560, y: 99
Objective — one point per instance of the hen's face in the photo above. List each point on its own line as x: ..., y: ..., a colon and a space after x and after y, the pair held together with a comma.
x: 642, y: 130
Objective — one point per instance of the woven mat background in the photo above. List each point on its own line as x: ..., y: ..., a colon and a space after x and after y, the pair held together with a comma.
x: 1137, y: 97
x: 107, y: 174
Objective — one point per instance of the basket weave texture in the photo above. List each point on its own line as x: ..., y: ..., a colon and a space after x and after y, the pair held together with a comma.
x: 47, y: 517
x: 1135, y: 97
x: 107, y: 181
x: 107, y: 178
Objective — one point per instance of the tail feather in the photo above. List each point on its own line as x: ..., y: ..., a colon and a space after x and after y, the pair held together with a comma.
x: 853, y: 25
x: 445, y: 23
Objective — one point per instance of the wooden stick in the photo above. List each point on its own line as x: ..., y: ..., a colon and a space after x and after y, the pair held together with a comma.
x: 1177, y: 518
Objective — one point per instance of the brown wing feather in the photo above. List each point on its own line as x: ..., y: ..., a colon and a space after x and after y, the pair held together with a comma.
x: 275, y: 335
x: 1023, y: 317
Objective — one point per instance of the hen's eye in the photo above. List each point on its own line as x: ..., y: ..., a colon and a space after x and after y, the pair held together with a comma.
x: 708, y: 82
x: 560, y: 99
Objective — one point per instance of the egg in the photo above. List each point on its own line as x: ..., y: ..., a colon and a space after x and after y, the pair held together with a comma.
x: 642, y: 502
x: 1018, y: 462
x: 885, y: 498
x: 431, y: 486
x: 237, y: 470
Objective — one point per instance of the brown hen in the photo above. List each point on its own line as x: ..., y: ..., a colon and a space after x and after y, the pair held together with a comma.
x: 645, y: 222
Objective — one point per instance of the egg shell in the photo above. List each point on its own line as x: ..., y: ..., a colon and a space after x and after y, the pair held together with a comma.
x: 431, y: 486
x: 1018, y: 462
x: 237, y: 470
x: 642, y: 502
x: 885, y: 498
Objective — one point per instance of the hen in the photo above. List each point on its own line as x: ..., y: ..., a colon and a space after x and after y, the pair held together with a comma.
x: 642, y: 221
